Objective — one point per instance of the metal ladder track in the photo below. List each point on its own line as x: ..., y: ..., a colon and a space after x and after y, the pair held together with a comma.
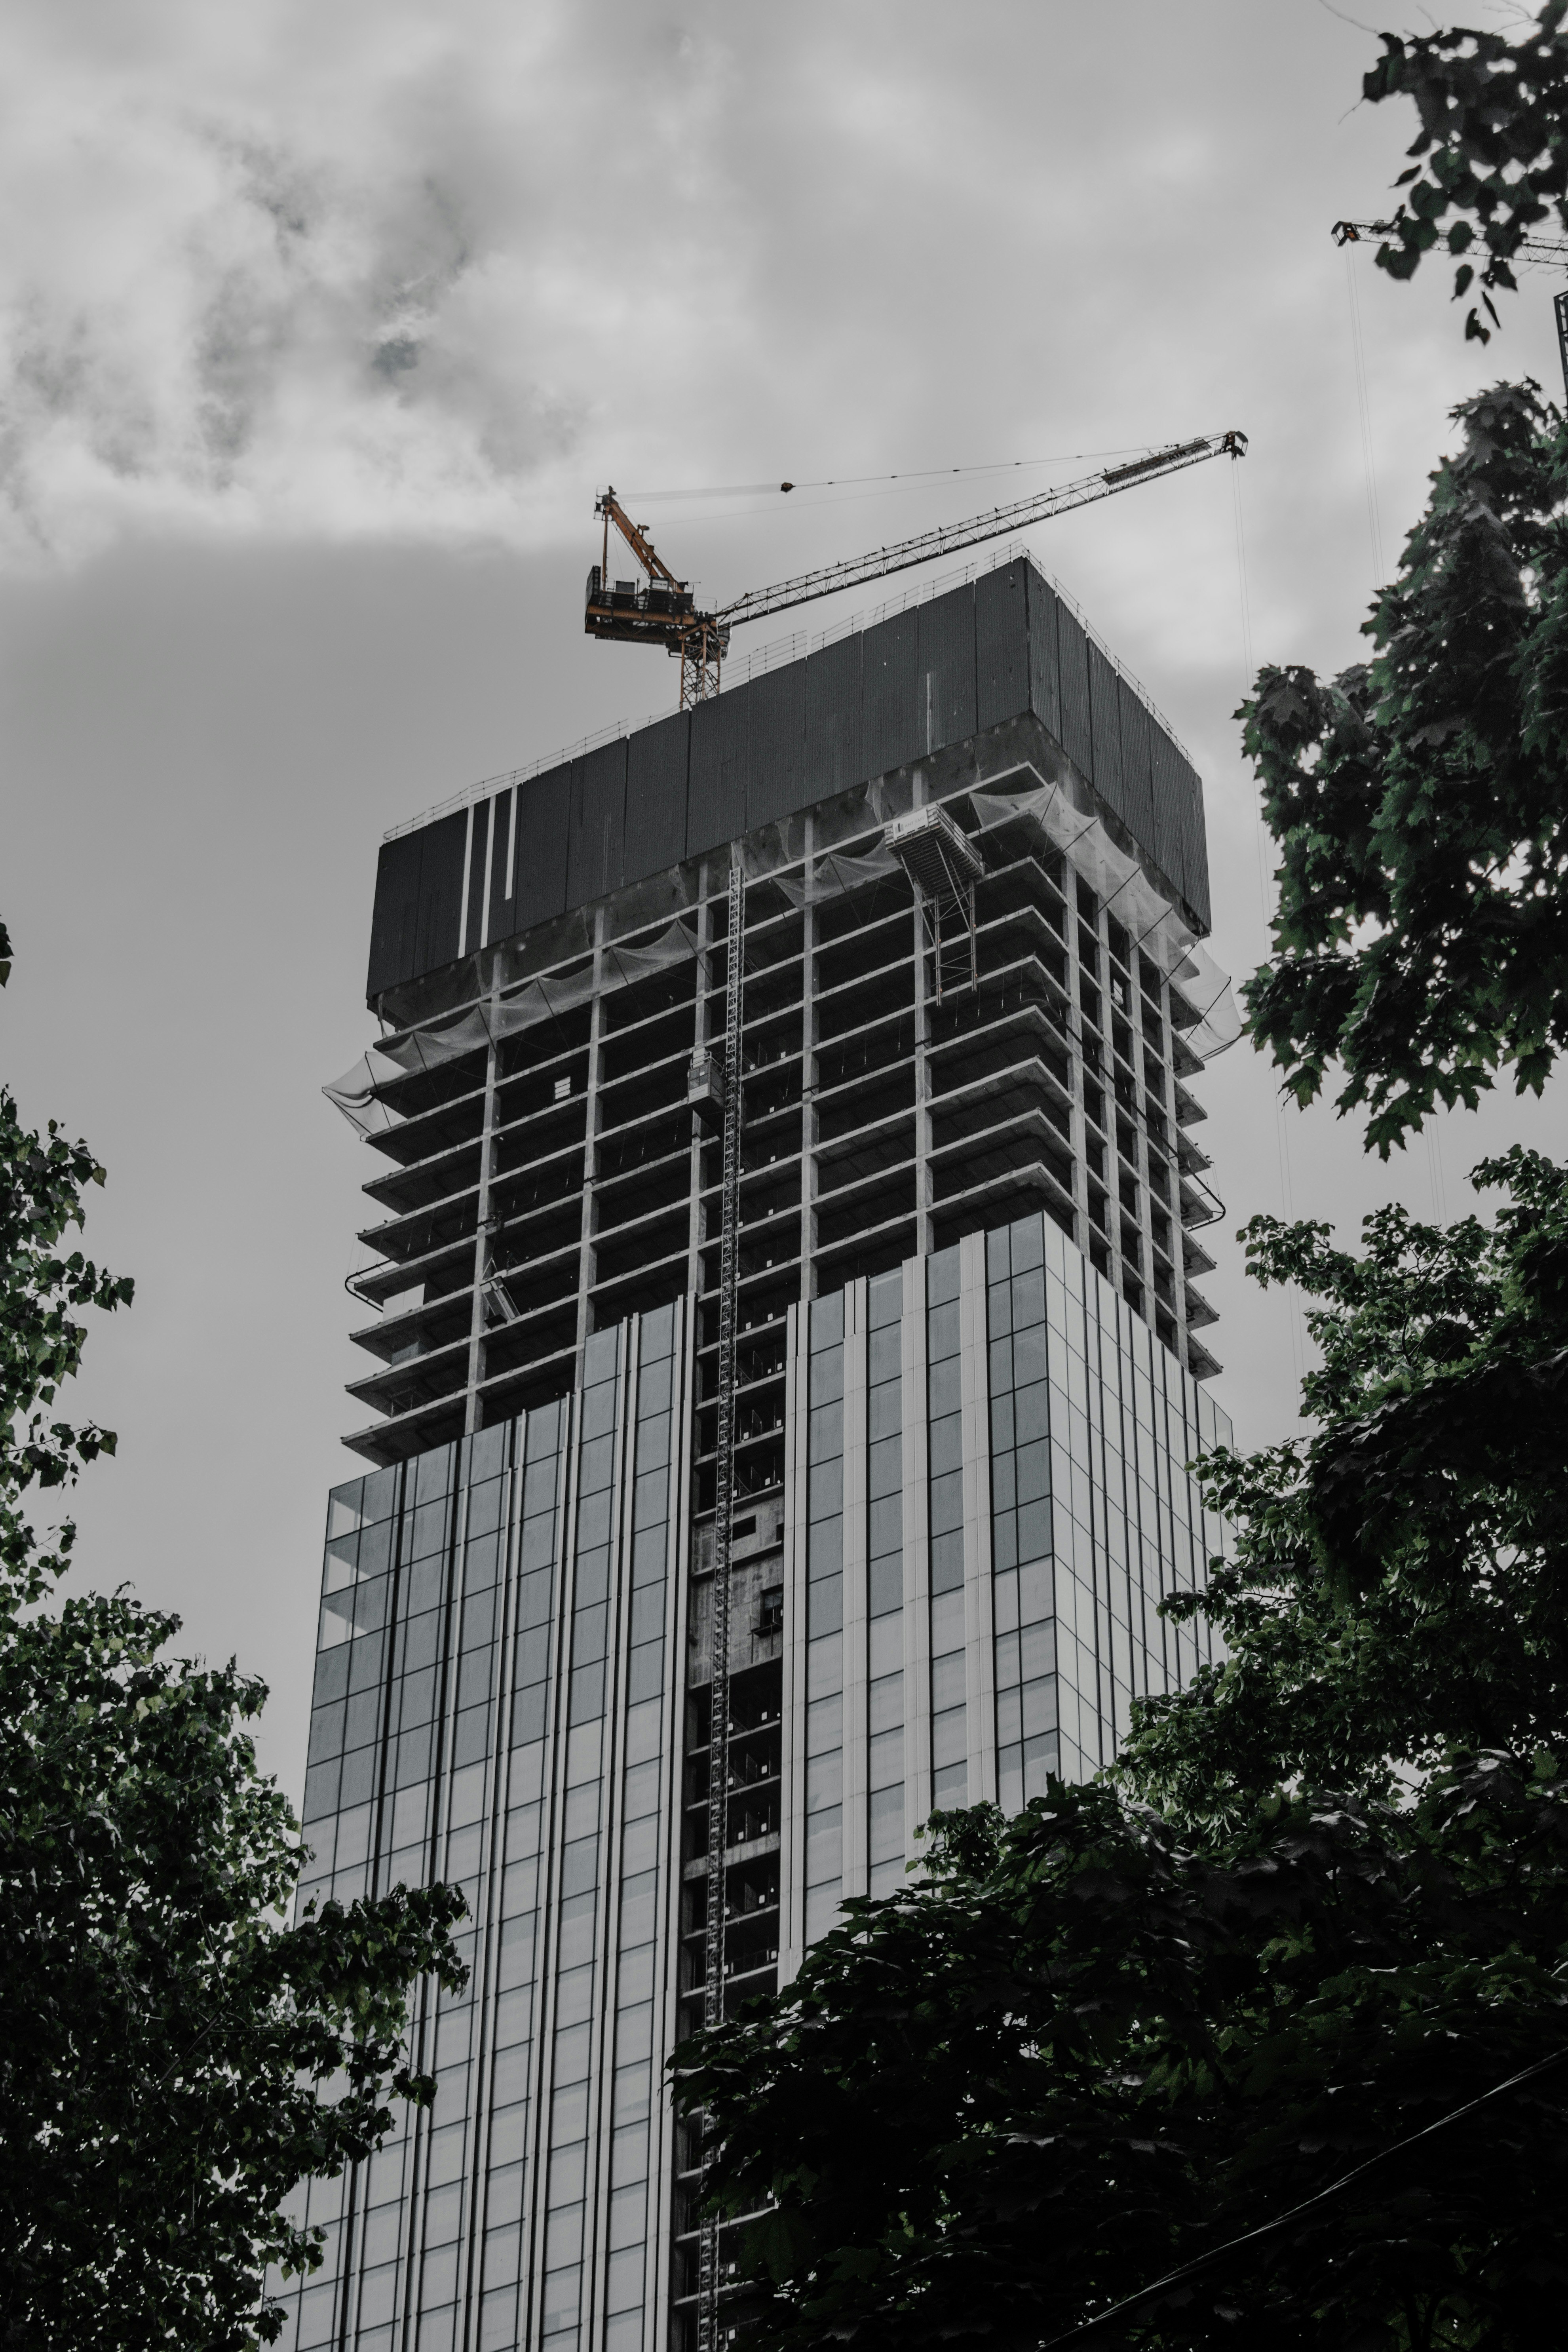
x: 709, y: 2284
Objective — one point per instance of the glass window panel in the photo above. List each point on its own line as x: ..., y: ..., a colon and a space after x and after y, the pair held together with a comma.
x: 824, y: 1847
x: 887, y: 1824
x: 630, y: 2096
x: 942, y: 1332
x: 948, y: 1739
x: 885, y: 1585
x: 825, y: 1606
x: 825, y: 1667
x: 624, y: 2281
x: 629, y: 2215
x: 823, y: 1725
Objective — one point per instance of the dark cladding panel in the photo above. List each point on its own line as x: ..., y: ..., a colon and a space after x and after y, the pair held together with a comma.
x: 596, y: 856
x: 1045, y: 660
x: 1073, y: 647
x: 656, y: 759
x: 1105, y: 729
x: 1193, y: 878
x: 1197, y: 887
x: 441, y: 891
x: 871, y: 702
x: 394, y: 924
x: 946, y: 667
x: 716, y: 796
x: 479, y: 837
x: 833, y: 720
x: 892, y: 697
x: 1002, y: 644
x: 543, y: 813
x: 775, y: 753
x: 1137, y: 778
x: 500, y: 924
x: 1166, y: 842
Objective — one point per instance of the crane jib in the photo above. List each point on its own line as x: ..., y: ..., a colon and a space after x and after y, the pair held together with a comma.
x: 808, y: 586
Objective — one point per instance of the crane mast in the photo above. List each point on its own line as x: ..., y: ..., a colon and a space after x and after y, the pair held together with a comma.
x: 664, y: 611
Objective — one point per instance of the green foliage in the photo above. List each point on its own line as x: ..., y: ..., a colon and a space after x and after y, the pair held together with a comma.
x: 1493, y: 143
x: 1321, y: 1901
x: 1417, y: 802
x: 174, y: 2057
x: 989, y: 2107
x: 1399, y: 1586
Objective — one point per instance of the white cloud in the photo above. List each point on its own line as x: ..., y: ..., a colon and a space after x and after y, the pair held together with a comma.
x: 351, y: 271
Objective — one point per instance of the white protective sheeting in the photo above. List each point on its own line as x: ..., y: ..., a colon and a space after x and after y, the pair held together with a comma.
x: 1122, y: 886
x: 1117, y: 880
x: 479, y: 1026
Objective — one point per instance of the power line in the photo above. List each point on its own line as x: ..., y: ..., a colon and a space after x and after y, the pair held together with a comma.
x: 1179, y: 2277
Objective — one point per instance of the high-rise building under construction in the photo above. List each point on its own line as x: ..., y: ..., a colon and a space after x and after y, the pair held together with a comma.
x: 952, y: 866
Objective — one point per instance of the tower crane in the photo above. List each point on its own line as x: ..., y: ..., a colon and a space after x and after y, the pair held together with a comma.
x: 663, y: 610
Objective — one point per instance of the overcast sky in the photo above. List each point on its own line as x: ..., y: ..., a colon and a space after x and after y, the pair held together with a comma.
x: 321, y: 328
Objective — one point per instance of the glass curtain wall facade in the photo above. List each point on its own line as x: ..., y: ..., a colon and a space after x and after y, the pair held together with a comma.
x: 496, y: 1704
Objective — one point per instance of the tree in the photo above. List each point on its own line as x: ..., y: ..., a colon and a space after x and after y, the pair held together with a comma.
x: 1321, y: 1901
x: 1492, y: 144
x: 1422, y: 935
x: 174, y: 2057
x: 1399, y: 1586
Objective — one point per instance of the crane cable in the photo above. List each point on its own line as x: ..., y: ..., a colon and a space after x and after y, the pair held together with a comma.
x: 912, y: 476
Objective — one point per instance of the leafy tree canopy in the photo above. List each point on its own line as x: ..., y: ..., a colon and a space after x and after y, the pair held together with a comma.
x: 1417, y: 803
x: 1492, y: 151
x: 174, y: 2057
x: 1422, y: 937
x: 1399, y: 1583
x: 1321, y: 1902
